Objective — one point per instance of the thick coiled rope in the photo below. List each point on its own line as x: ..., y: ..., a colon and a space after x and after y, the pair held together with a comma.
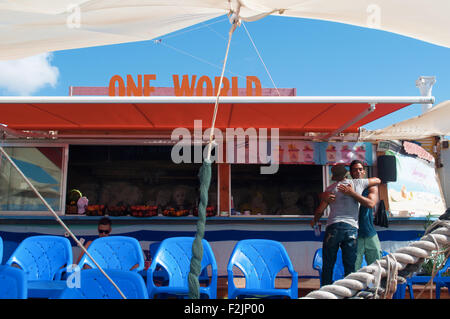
x: 197, y: 246
x: 379, y: 280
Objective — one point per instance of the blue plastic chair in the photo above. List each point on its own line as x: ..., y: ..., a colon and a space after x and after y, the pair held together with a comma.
x: 115, y: 252
x: 260, y: 260
x: 13, y: 283
x: 1, y: 250
x: 338, y: 270
x: 94, y: 285
x: 43, y: 259
x: 174, y: 256
x: 443, y: 281
x: 162, y: 275
x: 439, y: 280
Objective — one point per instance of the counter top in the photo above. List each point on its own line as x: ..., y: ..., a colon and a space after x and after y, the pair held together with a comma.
x: 8, y: 219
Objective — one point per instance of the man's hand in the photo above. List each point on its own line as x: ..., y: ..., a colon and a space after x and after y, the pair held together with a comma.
x: 328, y: 197
x: 347, y: 189
x: 318, y: 212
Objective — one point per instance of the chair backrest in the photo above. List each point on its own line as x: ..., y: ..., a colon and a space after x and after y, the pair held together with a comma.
x: 13, y: 283
x: 1, y: 250
x: 94, y: 285
x: 174, y: 255
x: 260, y: 260
x: 153, y: 248
x: 338, y: 270
x: 115, y: 252
x: 42, y: 257
x: 444, y: 268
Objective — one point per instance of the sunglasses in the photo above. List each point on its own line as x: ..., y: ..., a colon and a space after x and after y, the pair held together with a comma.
x: 103, y: 231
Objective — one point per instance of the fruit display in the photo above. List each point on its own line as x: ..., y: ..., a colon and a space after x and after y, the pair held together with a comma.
x: 172, y: 212
x: 143, y: 211
x: 210, y: 211
x: 71, y: 209
x: 95, y: 210
x: 117, y: 210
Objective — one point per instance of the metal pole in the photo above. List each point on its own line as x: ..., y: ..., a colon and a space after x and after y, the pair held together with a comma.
x: 212, y: 99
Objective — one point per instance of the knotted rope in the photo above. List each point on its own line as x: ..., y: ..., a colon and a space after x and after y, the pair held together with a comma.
x: 205, y: 180
x: 380, y: 278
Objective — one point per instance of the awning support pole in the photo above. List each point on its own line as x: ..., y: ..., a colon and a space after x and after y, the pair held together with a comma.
x: 57, y: 218
x: 425, y: 85
x: 353, y: 121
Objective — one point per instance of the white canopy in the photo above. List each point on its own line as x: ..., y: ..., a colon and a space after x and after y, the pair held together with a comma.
x: 29, y: 27
x: 434, y: 122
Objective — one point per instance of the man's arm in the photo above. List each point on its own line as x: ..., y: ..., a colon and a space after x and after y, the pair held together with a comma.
x: 373, y: 196
x: 374, y: 181
x: 318, y: 212
x: 369, y: 201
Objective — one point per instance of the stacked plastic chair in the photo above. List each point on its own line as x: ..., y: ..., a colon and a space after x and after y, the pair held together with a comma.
x: 43, y: 259
x: 260, y: 261
x: 13, y: 283
x: 94, y: 285
x: 174, y: 257
x: 115, y: 252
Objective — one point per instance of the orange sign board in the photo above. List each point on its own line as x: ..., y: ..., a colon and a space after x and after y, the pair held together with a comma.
x: 188, y: 86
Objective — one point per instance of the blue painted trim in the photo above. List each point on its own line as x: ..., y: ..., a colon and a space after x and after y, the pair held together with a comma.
x: 232, y: 235
x: 190, y: 218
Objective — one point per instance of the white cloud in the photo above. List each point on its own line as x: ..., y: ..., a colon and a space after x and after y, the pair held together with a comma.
x: 28, y: 75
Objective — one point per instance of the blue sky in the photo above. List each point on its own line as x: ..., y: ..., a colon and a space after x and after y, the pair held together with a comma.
x: 315, y: 57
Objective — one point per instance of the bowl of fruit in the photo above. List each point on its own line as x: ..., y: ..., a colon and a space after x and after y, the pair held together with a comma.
x: 95, y: 210
x: 172, y: 212
x: 143, y: 210
x: 117, y: 210
x: 210, y: 211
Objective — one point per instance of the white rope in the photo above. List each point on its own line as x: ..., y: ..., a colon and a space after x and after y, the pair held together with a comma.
x: 59, y: 219
x: 260, y: 58
x: 235, y: 23
x: 405, y: 259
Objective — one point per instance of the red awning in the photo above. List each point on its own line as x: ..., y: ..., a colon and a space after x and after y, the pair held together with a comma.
x: 296, y: 114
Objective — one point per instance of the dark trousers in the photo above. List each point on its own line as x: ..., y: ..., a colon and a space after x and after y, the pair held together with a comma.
x: 338, y: 235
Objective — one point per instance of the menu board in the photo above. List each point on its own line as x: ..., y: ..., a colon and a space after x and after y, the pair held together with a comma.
x: 345, y: 153
x: 306, y: 153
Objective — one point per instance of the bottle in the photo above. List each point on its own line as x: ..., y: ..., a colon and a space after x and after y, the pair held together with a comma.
x: 317, y: 229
